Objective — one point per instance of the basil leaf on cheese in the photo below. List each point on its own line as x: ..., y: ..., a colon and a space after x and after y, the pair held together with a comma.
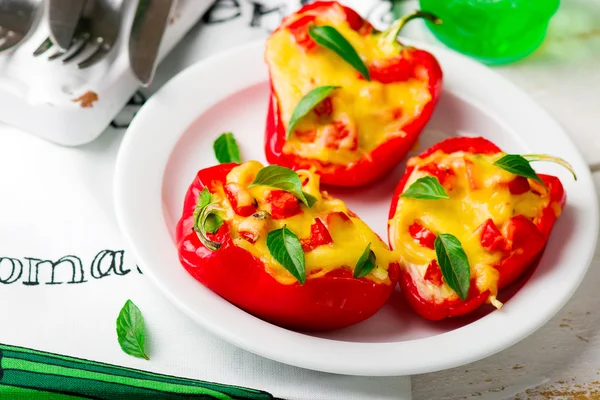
x: 365, y: 263
x: 518, y: 165
x: 226, y: 149
x: 306, y: 104
x: 428, y: 188
x: 286, y: 249
x: 329, y: 37
x: 285, y: 179
x: 454, y: 264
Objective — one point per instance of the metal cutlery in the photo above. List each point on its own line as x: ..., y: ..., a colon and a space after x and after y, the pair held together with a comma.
x: 96, y: 32
x: 16, y: 20
x: 146, y: 35
x: 63, y: 17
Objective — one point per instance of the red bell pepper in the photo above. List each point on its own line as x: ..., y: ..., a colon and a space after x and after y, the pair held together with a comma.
x: 324, y: 302
x: 516, y: 241
x: 336, y: 129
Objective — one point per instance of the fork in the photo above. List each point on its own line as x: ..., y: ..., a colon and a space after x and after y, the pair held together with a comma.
x: 98, y: 29
x: 16, y: 20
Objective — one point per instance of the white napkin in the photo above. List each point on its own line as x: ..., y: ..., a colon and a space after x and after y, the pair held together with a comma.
x: 56, y: 207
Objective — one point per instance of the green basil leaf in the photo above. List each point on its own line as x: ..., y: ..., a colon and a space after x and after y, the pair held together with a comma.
x: 545, y: 157
x: 310, y: 199
x: 516, y: 164
x: 327, y: 36
x: 454, y: 263
x: 365, y: 263
x: 307, y: 103
x: 285, y: 247
x: 130, y: 330
x: 428, y: 188
x: 226, y: 149
x: 282, y: 178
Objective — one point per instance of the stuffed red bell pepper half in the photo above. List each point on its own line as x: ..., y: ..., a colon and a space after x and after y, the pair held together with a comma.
x: 268, y: 240
x: 467, y: 220
x: 346, y: 100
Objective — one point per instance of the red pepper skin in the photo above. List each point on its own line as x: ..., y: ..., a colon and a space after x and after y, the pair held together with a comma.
x: 334, y: 301
x: 411, y: 63
x: 525, y: 239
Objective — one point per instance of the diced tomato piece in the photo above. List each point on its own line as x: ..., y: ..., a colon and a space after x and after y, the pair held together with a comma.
x: 283, y: 204
x: 519, y: 185
x: 324, y: 108
x: 306, y: 136
x: 249, y: 236
x: 339, y: 135
x: 424, y: 236
x: 491, y: 237
x: 441, y: 173
x: 241, y: 200
x: 299, y: 29
x: 434, y: 273
x: 396, y: 113
x: 319, y: 236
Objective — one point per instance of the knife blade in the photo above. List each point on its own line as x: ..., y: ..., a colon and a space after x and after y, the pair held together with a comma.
x: 147, y: 31
x: 63, y: 16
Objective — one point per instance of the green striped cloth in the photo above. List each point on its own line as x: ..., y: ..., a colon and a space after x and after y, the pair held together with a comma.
x: 32, y: 374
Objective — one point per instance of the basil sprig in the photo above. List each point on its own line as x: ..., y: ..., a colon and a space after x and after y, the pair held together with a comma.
x: 453, y: 263
x: 207, y: 220
x: 556, y: 160
x: 226, y: 149
x: 130, y: 330
x: 306, y: 104
x: 286, y: 249
x: 365, y: 263
x: 285, y: 179
x: 428, y: 188
x: 329, y: 37
x: 520, y: 165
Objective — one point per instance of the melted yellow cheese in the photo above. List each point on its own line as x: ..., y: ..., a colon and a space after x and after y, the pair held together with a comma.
x: 371, y: 108
x: 349, y: 239
x: 476, y: 195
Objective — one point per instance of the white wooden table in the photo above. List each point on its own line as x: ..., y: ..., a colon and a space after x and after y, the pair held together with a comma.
x: 562, y: 359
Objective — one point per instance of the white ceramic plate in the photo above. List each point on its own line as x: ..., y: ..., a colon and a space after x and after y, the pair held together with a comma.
x: 171, y: 139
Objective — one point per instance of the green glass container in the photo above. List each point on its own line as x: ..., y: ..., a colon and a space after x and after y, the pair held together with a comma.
x: 492, y: 31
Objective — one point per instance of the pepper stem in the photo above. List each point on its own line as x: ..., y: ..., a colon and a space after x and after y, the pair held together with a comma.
x: 393, y: 31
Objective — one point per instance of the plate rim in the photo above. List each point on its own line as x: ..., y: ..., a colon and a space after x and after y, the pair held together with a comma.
x: 383, y: 367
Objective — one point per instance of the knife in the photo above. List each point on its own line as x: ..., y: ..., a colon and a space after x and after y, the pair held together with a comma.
x: 63, y: 16
x: 147, y: 31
